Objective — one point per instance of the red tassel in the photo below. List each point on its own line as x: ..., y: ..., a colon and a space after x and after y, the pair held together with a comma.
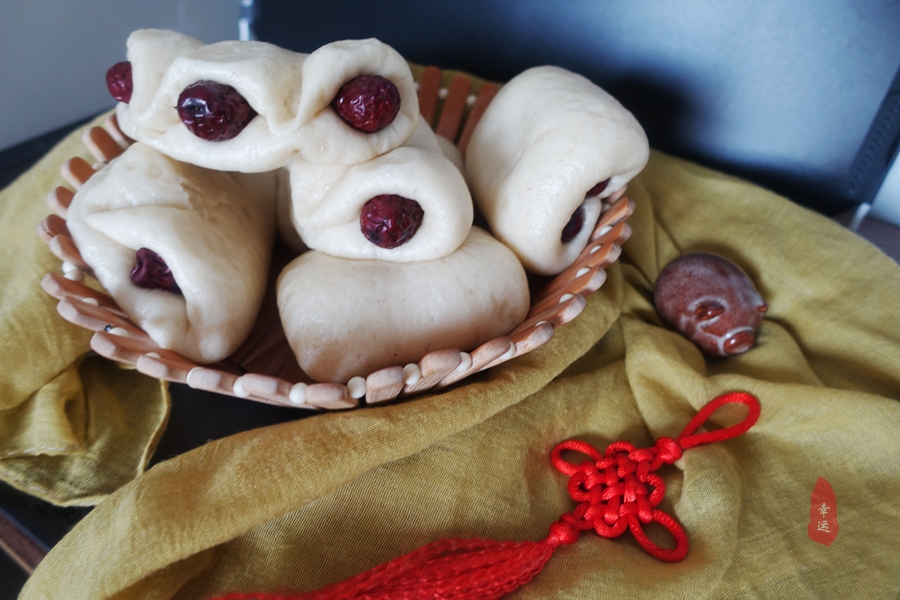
x: 448, y: 569
x: 613, y: 495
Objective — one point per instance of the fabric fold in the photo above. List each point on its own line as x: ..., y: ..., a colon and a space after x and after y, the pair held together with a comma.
x: 71, y: 430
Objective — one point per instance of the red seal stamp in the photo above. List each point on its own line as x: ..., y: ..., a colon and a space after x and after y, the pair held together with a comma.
x: 823, y: 523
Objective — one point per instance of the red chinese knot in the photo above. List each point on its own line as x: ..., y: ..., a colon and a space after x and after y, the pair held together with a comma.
x: 615, y: 491
x: 619, y: 490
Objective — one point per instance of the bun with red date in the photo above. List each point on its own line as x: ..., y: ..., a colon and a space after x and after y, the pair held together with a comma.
x: 183, y: 250
x: 410, y: 204
x: 377, y: 125
x: 345, y: 318
x: 711, y: 301
x: 549, y: 147
x: 250, y: 106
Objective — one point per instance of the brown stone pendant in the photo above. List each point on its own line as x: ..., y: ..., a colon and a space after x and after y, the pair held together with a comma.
x: 711, y: 301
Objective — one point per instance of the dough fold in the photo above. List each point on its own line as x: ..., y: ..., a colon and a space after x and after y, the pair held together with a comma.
x: 545, y: 141
x: 214, y: 230
x: 290, y: 91
x: 327, y: 201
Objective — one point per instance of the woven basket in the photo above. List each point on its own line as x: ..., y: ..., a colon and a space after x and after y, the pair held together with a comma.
x: 264, y: 368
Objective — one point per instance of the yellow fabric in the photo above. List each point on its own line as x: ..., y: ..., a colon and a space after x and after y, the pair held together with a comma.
x: 72, y: 430
x: 298, y: 505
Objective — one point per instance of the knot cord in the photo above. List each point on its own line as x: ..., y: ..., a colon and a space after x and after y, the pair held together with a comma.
x: 619, y: 490
x: 687, y: 440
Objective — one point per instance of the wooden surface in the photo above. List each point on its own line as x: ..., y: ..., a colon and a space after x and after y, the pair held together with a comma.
x: 19, y: 544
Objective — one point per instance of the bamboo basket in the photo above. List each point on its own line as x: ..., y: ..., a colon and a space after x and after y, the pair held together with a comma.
x: 264, y: 368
